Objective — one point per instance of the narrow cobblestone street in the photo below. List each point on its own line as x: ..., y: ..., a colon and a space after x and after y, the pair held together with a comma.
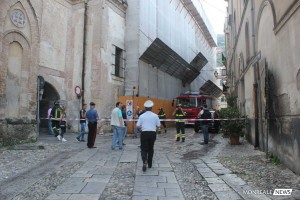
x: 53, y: 170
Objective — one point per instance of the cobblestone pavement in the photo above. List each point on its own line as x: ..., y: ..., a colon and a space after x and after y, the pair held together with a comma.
x: 50, y: 170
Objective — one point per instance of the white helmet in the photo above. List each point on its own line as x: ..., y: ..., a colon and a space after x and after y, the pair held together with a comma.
x: 148, y: 104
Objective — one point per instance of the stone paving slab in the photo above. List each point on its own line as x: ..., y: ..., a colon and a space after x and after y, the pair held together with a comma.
x: 72, y: 185
x: 146, y: 184
x: 84, y: 196
x: 58, y: 197
x: 146, y: 191
x: 228, y: 195
x: 93, y: 188
x: 214, y: 180
x: 233, y: 180
x: 173, y: 192
x: 168, y: 185
x: 149, y: 172
x: 170, y: 176
x: 161, y: 179
x: 171, y: 198
x: 219, y: 187
x: 144, y: 198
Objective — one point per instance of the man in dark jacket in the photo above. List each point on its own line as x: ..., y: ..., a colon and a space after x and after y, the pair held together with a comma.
x: 206, y: 115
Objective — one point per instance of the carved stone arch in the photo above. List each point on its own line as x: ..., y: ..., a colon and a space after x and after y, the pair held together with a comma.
x: 263, y: 5
x: 58, y: 87
x: 31, y: 14
x: 24, y: 87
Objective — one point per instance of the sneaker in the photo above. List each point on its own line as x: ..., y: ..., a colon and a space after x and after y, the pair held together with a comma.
x: 203, y: 143
x: 177, y: 139
x: 63, y: 140
x: 182, y: 140
x: 59, y: 137
x: 124, y: 144
x: 82, y: 140
x: 78, y: 139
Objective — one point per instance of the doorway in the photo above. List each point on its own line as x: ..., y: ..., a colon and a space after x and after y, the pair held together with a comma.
x: 49, y: 96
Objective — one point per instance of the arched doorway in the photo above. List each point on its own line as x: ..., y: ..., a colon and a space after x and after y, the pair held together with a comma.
x: 49, y: 96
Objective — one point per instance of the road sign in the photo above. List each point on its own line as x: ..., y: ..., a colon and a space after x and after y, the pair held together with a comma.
x: 129, y: 109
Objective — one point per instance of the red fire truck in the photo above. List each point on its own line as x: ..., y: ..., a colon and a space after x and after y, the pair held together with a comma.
x: 191, y: 102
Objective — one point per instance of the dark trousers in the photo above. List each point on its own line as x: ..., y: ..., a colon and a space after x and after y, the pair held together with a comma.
x: 180, y: 127
x: 56, y: 127
x: 163, y: 123
x: 147, y: 143
x: 92, y: 134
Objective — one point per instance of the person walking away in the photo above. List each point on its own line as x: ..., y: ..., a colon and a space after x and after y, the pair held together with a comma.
x: 162, y: 115
x: 82, y: 112
x: 55, y: 115
x: 63, y: 125
x: 117, y: 123
x: 204, y: 124
x: 136, y: 116
x: 179, y: 116
x: 92, y: 117
x: 50, y: 130
x: 148, y: 122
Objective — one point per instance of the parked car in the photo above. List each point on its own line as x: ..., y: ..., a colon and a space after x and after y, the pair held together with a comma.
x: 213, y: 125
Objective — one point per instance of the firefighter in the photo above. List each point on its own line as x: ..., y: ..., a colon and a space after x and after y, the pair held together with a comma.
x: 179, y: 116
x: 162, y: 115
x: 56, y: 113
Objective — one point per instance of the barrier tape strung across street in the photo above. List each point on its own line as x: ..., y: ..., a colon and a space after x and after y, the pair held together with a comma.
x: 166, y: 120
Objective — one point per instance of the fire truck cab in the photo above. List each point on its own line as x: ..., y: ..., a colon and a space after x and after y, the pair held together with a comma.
x: 191, y: 103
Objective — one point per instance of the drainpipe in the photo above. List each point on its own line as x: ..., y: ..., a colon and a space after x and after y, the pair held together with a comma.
x: 255, y: 85
x: 84, y: 51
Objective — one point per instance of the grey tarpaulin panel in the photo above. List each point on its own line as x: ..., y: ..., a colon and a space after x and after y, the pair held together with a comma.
x: 211, y: 89
x: 167, y: 60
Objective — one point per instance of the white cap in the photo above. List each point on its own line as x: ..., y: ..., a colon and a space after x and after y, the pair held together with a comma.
x: 148, y: 104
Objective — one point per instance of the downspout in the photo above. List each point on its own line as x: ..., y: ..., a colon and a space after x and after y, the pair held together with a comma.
x: 84, y: 52
x: 255, y: 85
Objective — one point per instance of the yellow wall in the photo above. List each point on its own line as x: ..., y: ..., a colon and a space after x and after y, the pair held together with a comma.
x: 139, y: 101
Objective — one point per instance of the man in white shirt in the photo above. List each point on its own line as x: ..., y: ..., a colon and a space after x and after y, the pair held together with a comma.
x: 117, y: 123
x: 50, y: 130
x: 148, y: 122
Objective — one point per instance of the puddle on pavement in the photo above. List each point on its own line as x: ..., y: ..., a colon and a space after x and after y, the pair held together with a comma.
x: 193, y: 155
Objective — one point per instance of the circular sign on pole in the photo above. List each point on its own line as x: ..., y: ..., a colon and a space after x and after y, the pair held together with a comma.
x: 78, y: 91
x: 129, y: 113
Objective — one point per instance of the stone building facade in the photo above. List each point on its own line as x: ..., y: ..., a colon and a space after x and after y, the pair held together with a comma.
x: 102, y: 46
x: 263, y: 45
x: 67, y: 42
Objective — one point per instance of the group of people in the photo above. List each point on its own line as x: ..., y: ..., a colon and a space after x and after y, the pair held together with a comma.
x: 179, y: 114
x: 148, y: 122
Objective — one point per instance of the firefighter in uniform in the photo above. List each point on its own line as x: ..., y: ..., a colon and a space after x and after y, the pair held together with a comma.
x: 56, y: 113
x: 179, y: 116
x: 162, y: 115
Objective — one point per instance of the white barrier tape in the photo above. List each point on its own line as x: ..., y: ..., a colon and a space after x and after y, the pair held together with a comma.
x: 166, y: 120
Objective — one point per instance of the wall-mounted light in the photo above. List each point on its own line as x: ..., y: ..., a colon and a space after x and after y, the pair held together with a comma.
x: 216, y: 74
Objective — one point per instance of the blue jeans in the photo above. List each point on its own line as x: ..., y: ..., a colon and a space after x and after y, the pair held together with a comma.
x: 118, y: 133
x: 81, y: 136
x: 205, y: 132
x: 50, y: 129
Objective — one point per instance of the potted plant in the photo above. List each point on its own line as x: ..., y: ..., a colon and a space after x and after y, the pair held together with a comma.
x: 232, y: 128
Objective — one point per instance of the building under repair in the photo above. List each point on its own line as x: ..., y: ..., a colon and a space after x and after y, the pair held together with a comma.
x: 105, y: 48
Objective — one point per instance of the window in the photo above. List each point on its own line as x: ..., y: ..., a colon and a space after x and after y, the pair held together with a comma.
x: 119, y: 62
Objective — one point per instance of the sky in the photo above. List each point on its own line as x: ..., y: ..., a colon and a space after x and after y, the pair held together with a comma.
x: 216, y: 13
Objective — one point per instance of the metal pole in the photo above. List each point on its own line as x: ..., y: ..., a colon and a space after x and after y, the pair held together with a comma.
x: 38, y: 107
x: 133, y: 110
